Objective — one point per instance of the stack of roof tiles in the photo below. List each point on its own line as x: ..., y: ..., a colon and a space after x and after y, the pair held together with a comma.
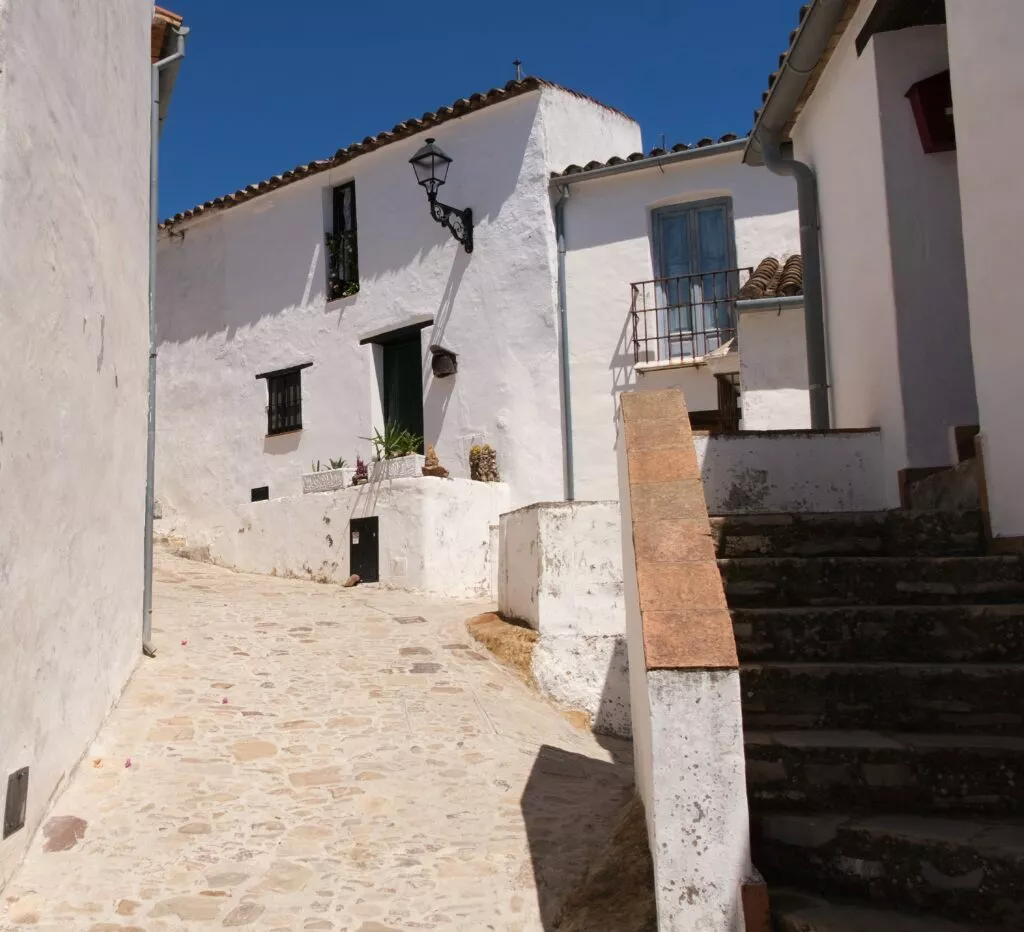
x: 775, y: 279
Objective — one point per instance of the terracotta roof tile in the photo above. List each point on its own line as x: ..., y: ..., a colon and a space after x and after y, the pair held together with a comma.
x: 775, y: 279
x: 655, y: 154
x: 401, y: 130
x: 162, y: 20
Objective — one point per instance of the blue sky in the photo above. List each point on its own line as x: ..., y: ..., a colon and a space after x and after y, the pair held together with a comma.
x: 267, y: 85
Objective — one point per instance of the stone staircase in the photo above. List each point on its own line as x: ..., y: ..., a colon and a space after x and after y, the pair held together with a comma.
x: 882, y: 667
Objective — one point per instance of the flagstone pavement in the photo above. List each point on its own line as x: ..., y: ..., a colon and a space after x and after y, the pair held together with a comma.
x: 306, y: 757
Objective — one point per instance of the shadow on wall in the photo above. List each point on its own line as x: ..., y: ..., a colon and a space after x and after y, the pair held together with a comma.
x: 262, y: 258
x: 437, y: 393
x: 570, y: 805
x: 613, y: 713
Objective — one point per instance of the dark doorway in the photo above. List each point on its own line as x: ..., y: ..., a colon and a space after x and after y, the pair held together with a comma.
x: 363, y: 549
x: 403, y: 385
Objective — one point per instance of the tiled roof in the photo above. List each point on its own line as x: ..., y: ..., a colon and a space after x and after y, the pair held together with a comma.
x: 162, y: 19
x: 653, y: 155
x: 775, y: 279
x: 819, y: 67
x: 401, y: 130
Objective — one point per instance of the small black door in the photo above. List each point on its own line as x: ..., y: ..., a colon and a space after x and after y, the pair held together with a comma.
x: 363, y: 553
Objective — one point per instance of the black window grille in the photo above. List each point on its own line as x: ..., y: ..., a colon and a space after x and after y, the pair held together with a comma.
x: 284, y: 408
x: 729, y: 400
x: 343, y: 245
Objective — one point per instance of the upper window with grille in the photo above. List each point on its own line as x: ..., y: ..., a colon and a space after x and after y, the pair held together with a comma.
x: 343, y: 245
x: 284, y: 399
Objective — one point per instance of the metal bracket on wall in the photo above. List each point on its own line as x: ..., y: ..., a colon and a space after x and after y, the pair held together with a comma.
x: 17, y: 801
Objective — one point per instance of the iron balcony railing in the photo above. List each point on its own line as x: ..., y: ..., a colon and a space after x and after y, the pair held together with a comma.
x: 685, y: 317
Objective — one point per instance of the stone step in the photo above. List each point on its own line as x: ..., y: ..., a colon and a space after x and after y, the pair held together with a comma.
x: 985, y: 698
x: 865, y: 771
x: 795, y: 911
x: 884, y: 533
x: 905, y: 633
x: 788, y: 581
x: 964, y: 870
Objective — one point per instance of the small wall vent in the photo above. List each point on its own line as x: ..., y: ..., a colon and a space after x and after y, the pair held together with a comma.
x: 260, y: 493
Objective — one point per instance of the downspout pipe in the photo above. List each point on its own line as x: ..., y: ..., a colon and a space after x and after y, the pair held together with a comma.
x: 170, y: 64
x: 810, y: 248
x: 563, y: 329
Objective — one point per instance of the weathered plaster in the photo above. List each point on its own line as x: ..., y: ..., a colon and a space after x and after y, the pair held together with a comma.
x: 561, y: 571
x: 609, y: 245
x: 434, y: 534
x: 243, y: 292
x: 780, y: 471
x: 74, y: 188
x: 684, y: 681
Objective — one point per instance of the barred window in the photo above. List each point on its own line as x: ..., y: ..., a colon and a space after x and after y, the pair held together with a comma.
x: 284, y: 399
x: 342, y: 245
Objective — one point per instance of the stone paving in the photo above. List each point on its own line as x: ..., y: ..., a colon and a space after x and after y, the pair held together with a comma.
x: 307, y: 757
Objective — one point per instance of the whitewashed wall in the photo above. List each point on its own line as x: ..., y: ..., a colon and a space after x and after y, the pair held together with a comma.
x: 894, y: 276
x: 988, y: 85
x: 608, y: 242
x: 244, y: 292
x: 791, y: 471
x: 926, y: 238
x: 773, y: 368
x: 74, y: 188
x: 434, y: 534
x: 560, y: 569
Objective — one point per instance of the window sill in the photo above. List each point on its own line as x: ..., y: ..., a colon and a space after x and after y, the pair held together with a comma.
x: 334, y: 303
x: 687, y: 362
x: 283, y: 433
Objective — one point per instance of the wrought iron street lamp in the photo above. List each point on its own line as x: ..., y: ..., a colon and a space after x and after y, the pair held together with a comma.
x: 431, y: 166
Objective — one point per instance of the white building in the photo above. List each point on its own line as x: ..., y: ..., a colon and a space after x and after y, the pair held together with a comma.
x: 75, y: 103
x: 641, y: 236
x: 902, y: 113
x: 248, y: 328
x: 244, y: 314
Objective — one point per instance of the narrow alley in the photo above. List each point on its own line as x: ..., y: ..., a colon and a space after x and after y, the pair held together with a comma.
x: 306, y: 757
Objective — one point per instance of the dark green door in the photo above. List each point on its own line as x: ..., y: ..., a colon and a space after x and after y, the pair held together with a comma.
x: 403, y: 385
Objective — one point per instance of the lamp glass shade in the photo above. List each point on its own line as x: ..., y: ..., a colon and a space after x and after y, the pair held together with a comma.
x: 431, y: 166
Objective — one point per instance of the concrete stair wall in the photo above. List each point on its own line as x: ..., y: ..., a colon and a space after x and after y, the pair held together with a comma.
x: 882, y: 672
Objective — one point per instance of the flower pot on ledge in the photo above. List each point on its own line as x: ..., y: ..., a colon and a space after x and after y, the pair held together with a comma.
x: 401, y: 467
x: 327, y: 480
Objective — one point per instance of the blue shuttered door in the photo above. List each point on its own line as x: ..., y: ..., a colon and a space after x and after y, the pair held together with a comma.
x: 693, y: 249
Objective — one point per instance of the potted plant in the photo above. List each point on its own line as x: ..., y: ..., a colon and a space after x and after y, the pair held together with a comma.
x: 362, y: 474
x: 483, y: 463
x: 319, y: 479
x: 396, y: 453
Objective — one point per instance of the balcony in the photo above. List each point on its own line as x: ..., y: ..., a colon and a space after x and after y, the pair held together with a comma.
x: 683, y: 319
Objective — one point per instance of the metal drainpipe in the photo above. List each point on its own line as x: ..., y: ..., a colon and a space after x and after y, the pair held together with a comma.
x: 563, y: 319
x: 814, y: 317
x: 154, y: 146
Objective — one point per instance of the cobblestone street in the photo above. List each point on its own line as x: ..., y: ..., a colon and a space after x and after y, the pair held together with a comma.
x: 306, y: 757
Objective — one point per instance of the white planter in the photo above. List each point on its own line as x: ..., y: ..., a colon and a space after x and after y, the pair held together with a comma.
x: 401, y: 467
x: 327, y: 480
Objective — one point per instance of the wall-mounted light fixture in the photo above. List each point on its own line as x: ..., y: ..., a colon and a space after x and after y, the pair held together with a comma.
x: 431, y: 166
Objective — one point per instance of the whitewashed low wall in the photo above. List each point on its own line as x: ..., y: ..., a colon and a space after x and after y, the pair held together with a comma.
x: 773, y: 366
x: 560, y: 569
x: 791, y: 471
x: 434, y: 534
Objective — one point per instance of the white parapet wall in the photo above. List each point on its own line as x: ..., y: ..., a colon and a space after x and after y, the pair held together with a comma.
x: 763, y: 472
x: 773, y: 364
x: 434, y: 534
x: 560, y: 570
